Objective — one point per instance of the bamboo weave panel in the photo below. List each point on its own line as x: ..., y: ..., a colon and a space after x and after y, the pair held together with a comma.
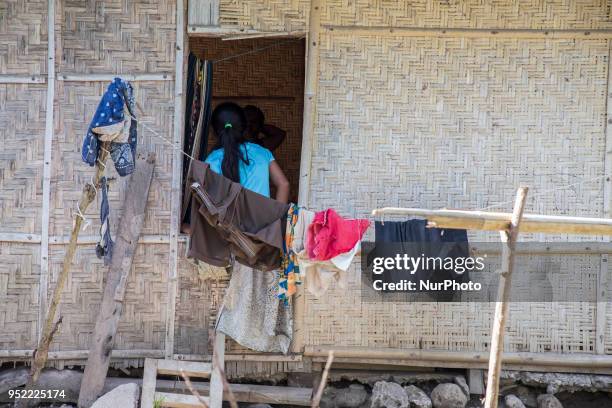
x: 119, y: 36
x: 265, y: 15
x: 23, y: 37
x: 457, y: 123
x: 143, y: 319
x: 340, y: 318
x: 19, y: 278
x: 496, y: 14
x: 22, y: 130
x: 78, y: 102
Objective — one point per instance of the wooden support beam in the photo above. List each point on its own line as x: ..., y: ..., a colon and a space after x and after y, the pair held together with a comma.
x: 109, y: 77
x: 496, y: 221
x: 311, y: 82
x: 147, y: 396
x: 180, y: 66
x: 379, y: 31
x: 25, y: 79
x: 216, y: 380
x: 502, y: 306
x: 132, y: 220
x: 462, y: 358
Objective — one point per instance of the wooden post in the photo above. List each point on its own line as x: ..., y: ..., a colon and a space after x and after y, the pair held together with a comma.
x: 310, y: 99
x: 508, y: 238
x: 216, y: 382
x: 89, y: 194
x: 114, y: 292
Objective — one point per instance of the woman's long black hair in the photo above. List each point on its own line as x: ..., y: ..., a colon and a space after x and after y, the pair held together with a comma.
x: 229, y: 124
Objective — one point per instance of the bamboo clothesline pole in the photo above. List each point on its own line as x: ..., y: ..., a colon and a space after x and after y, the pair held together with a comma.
x: 508, y: 226
x: 89, y: 195
x: 498, y: 221
x: 508, y: 238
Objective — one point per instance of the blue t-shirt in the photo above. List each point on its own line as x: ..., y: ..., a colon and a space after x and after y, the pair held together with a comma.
x: 255, y: 175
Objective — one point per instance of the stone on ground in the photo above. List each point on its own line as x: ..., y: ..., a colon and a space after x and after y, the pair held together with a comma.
x: 417, y: 397
x: 124, y: 396
x: 512, y: 401
x: 448, y: 396
x: 548, y: 401
x: 389, y: 395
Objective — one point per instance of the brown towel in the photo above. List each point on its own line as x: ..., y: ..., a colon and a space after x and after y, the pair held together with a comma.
x: 228, y: 220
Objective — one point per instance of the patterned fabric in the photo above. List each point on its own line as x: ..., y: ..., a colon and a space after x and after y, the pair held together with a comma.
x: 105, y: 246
x: 289, y: 273
x: 252, y: 314
x: 109, y: 123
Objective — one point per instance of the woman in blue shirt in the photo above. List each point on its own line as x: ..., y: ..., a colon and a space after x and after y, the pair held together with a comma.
x: 244, y: 162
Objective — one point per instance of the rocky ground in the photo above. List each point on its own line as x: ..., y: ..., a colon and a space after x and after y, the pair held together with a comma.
x: 429, y: 390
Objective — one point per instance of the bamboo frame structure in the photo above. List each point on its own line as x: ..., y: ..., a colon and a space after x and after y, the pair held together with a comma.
x: 508, y: 225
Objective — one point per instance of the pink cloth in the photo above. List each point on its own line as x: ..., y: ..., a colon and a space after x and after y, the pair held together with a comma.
x: 330, y: 235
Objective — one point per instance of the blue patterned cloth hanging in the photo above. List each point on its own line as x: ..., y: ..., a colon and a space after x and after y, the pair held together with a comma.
x: 104, y: 249
x: 110, y: 124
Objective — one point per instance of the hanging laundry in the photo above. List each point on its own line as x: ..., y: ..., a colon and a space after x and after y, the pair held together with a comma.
x: 252, y: 314
x: 115, y: 122
x: 290, y: 272
x: 229, y: 221
x: 319, y: 276
x: 197, y: 118
x: 415, y: 239
x: 104, y: 249
x: 329, y: 234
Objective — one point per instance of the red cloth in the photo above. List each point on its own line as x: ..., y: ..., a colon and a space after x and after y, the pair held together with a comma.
x: 329, y: 235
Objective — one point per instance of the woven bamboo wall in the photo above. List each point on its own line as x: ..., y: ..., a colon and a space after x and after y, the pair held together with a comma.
x: 264, y: 15
x: 496, y: 14
x: 458, y: 123
x: 419, y: 121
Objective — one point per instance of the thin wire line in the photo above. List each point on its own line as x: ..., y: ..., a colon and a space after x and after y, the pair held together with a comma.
x: 276, y: 44
x: 144, y: 125
x: 539, y: 193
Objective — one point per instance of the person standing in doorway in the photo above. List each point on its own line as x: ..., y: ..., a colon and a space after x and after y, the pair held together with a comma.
x: 258, y: 131
x: 246, y: 162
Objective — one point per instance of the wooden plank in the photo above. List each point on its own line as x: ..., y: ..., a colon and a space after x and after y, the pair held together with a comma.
x: 216, y: 381
x: 271, y: 357
x: 178, y: 400
x: 476, y: 381
x: 387, y: 31
x: 190, y: 368
x: 109, y: 77
x: 252, y: 393
x: 496, y: 221
x: 147, y: 397
x: 310, y: 95
x: 92, y: 239
x: 175, y: 198
x: 22, y: 238
x: 203, y: 13
x: 23, y: 79
x: 602, y: 284
x: 43, y: 287
x: 216, y: 32
x: 82, y: 354
x: 502, y: 306
x: 107, y: 323
x: 539, y: 359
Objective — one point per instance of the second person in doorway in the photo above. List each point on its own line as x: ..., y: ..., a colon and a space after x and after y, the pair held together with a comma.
x: 260, y: 132
x: 242, y: 161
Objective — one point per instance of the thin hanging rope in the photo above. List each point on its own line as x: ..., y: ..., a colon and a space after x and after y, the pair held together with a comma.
x: 276, y: 44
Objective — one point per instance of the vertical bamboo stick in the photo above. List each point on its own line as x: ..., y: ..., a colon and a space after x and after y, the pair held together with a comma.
x: 89, y: 194
x: 503, y: 296
x: 310, y: 94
